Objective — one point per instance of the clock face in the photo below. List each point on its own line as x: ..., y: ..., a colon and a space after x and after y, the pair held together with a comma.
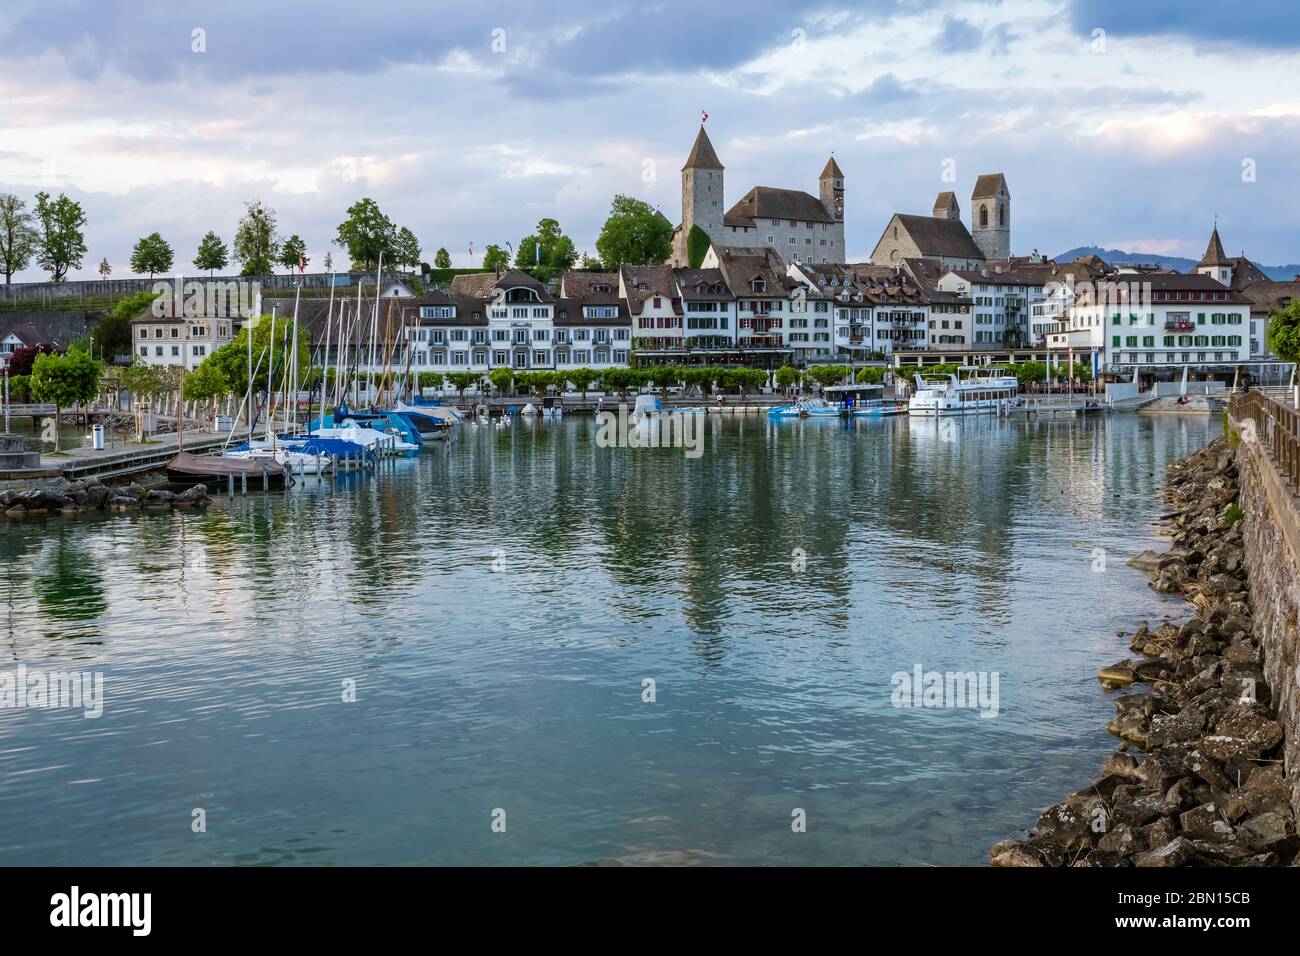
x: 839, y: 205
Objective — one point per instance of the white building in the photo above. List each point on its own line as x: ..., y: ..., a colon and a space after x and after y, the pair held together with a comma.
x: 1156, y: 320
x: 1001, y: 304
x: 185, y: 341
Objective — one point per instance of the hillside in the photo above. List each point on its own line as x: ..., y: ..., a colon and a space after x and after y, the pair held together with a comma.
x: 1120, y: 257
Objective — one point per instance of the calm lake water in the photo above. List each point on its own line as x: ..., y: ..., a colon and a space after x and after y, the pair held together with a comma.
x: 499, y: 602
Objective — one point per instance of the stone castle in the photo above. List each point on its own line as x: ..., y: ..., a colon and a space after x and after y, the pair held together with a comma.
x: 797, y: 225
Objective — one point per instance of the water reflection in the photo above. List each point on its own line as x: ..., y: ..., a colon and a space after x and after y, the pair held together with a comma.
x: 498, y: 603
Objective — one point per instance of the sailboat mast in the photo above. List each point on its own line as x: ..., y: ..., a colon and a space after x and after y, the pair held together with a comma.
x: 374, y: 324
x: 325, y: 356
x: 291, y: 407
x: 270, y: 377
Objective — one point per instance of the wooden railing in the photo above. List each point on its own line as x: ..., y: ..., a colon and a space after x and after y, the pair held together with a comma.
x: 1274, y: 425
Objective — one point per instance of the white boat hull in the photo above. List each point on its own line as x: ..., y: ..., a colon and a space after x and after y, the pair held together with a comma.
x: 985, y: 406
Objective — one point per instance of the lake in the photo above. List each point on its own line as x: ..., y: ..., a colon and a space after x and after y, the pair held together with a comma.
x: 522, y: 648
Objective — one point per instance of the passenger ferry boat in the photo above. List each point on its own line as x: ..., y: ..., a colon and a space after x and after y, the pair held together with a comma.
x: 974, y: 390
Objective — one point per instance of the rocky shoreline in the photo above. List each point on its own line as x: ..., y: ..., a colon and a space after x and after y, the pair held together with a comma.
x: 71, y: 497
x: 1199, y: 778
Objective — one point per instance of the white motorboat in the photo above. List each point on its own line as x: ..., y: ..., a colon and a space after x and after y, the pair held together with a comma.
x: 972, y: 390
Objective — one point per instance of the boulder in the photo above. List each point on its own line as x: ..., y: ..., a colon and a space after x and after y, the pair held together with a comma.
x: 1177, y: 852
x: 1117, y: 675
x: 1146, y: 561
x: 1245, y: 734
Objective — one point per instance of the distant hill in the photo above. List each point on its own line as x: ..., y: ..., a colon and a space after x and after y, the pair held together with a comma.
x: 1118, y: 257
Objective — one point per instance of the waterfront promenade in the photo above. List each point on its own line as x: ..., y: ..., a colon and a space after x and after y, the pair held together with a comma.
x: 117, y: 459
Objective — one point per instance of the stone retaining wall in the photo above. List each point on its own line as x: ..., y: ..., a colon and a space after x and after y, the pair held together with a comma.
x: 1271, y: 537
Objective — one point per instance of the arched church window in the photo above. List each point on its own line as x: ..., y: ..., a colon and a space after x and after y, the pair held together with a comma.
x: 984, y: 217
x: 1002, y: 215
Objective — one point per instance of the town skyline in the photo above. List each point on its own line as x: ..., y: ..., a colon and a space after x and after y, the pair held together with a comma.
x: 473, y: 129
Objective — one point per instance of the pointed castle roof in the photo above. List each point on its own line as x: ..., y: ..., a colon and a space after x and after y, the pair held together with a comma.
x: 1214, y: 254
x: 702, y: 154
x: 832, y: 170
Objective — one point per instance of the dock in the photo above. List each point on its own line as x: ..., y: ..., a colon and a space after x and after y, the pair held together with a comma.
x: 120, y: 459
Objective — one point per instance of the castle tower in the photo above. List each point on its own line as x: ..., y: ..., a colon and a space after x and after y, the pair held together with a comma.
x: 991, y: 216
x: 945, y: 207
x: 702, y: 194
x: 831, y: 182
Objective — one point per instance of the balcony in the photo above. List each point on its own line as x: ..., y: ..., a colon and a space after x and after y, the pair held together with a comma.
x: 1179, y: 325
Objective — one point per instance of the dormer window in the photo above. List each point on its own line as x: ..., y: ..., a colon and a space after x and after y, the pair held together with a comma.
x: 758, y: 285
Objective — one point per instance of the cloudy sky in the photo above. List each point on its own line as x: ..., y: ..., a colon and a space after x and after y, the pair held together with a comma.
x: 1117, y: 123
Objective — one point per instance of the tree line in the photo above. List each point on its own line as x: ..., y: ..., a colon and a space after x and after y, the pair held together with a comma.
x: 50, y: 233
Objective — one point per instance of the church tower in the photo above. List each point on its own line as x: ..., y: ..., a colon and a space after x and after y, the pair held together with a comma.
x: 991, y: 216
x: 832, y: 189
x: 1215, y: 263
x: 702, y: 189
x: 945, y: 206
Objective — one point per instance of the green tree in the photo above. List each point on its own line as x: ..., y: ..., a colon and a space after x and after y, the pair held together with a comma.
x: 1283, y: 334
x: 621, y: 379
x: 665, y: 376
x: 828, y: 374
x: 786, y: 377
x: 143, y: 380
x: 212, y: 254
x: 582, y: 379
x: 406, y: 249
x: 256, y: 240
x: 548, y: 249
x: 65, y: 380
x: 151, y: 254
x: 634, y: 235
x: 697, y: 246
x: 442, y: 259
x: 105, y: 270
x: 366, y: 233
x: 871, y: 375
x: 231, y: 359
x: 463, y: 380
x: 19, y: 241
x: 61, y: 243
x: 501, y: 377
x: 429, y: 379
x: 293, y: 253
x: 206, y: 383
x: 495, y: 259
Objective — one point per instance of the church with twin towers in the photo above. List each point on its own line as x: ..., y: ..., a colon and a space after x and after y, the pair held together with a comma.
x: 803, y: 228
